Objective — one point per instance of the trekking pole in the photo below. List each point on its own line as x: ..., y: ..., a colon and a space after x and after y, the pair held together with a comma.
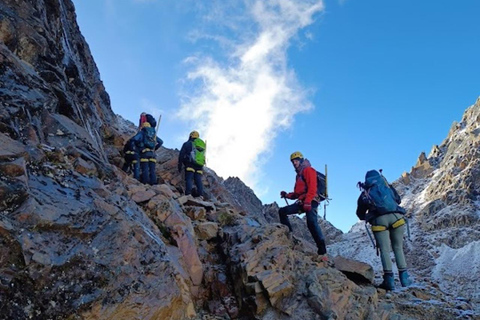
x: 408, y: 228
x: 326, y: 195
x: 370, y: 236
x: 158, y: 125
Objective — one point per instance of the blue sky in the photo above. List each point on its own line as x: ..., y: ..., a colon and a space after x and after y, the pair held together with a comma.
x: 357, y: 85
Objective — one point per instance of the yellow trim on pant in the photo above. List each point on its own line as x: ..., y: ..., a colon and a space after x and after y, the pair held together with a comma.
x: 193, y: 170
x: 378, y: 228
x: 148, y: 159
x: 400, y: 222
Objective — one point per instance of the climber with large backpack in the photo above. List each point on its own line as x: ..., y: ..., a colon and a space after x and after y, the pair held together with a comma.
x: 192, y: 157
x: 307, y: 200
x: 147, y: 143
x: 132, y: 159
x: 379, y: 205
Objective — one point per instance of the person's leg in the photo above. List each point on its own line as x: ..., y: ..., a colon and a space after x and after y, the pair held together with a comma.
x: 188, y: 181
x: 198, y: 182
x: 315, y: 230
x: 136, y: 166
x: 285, y: 211
x: 127, y: 163
x: 153, y: 174
x: 382, y: 239
x: 145, y: 170
x: 396, y: 237
x: 136, y: 169
x: 383, y: 243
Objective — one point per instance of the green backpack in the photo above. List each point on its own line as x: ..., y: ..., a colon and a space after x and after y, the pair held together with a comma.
x: 197, y: 155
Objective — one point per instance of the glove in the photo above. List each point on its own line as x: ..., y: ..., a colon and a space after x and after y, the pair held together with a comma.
x: 307, y: 206
x: 283, y: 194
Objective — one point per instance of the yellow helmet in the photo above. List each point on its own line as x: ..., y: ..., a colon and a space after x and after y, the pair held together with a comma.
x: 296, y: 155
x: 146, y: 125
x: 194, y: 134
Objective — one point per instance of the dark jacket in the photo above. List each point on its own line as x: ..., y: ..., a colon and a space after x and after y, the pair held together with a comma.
x: 184, y: 156
x: 130, y: 146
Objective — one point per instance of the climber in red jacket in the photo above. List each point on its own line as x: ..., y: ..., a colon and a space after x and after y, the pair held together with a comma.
x: 305, y: 192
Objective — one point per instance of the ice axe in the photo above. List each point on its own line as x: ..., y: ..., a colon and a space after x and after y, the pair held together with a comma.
x: 158, y: 125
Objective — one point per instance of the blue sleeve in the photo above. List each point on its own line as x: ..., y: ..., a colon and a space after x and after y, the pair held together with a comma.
x: 159, y: 143
x: 183, y: 152
x: 362, y: 208
x: 138, y: 138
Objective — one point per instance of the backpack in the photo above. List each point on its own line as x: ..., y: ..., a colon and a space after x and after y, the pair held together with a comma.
x: 197, y: 155
x: 149, y: 137
x: 380, y: 195
x: 321, y: 185
x: 147, y: 118
x: 151, y: 120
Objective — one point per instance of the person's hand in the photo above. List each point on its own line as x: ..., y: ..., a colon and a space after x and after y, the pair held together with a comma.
x: 307, y: 206
x: 283, y: 194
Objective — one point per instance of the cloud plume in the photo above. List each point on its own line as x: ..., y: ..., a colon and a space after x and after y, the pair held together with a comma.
x: 240, y: 103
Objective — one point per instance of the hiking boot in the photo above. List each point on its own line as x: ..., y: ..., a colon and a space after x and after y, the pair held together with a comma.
x: 322, y: 249
x: 404, y: 278
x: 388, y: 281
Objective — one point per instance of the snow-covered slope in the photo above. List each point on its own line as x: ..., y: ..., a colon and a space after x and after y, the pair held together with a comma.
x: 441, y: 195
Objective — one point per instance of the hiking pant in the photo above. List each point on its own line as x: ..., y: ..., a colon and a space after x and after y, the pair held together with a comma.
x: 190, y: 175
x: 312, y: 222
x: 147, y: 164
x: 390, y: 235
x: 132, y: 160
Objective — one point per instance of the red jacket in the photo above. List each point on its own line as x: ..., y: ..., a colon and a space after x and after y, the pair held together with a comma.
x: 306, y: 183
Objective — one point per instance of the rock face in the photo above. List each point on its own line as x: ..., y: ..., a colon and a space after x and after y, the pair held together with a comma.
x: 80, y: 239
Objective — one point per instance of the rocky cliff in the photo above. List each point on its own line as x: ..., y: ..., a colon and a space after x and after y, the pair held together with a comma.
x: 80, y: 239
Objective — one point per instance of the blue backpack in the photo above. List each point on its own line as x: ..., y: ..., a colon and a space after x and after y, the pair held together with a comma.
x: 379, y: 195
x: 149, y: 137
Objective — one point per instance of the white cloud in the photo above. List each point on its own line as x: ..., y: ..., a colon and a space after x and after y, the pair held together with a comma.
x: 240, y: 106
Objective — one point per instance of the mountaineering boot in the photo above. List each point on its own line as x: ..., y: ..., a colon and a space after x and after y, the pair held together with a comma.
x: 322, y: 248
x: 404, y: 278
x: 388, y: 281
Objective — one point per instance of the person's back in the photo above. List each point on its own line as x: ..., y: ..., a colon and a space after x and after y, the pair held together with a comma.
x: 147, y: 143
x: 131, y: 157
x: 192, y: 162
x: 378, y: 204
